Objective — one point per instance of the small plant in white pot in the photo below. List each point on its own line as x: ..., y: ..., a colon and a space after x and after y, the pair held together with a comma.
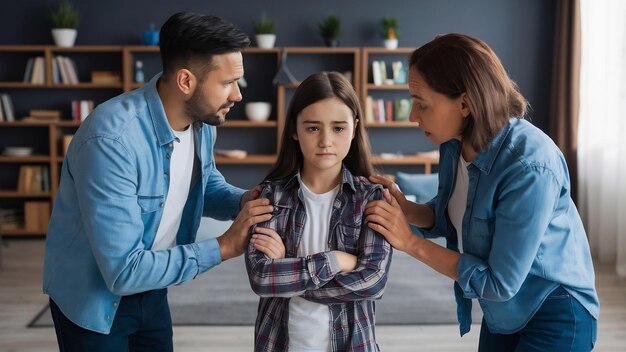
x: 265, y: 31
x: 64, y: 23
x: 390, y: 34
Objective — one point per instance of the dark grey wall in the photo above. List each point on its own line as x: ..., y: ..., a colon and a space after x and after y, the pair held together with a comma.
x: 520, y: 32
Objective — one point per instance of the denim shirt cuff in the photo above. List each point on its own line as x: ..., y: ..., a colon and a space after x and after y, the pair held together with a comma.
x: 207, y: 253
x: 470, y: 272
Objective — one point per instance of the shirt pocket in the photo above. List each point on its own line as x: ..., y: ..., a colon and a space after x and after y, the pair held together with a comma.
x: 150, y: 204
x: 481, y: 236
x: 346, y: 238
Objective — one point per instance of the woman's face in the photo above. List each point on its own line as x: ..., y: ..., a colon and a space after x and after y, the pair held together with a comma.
x: 441, y: 118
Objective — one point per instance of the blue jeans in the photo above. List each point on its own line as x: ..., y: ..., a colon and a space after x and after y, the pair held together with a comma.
x: 560, y: 324
x: 142, y: 323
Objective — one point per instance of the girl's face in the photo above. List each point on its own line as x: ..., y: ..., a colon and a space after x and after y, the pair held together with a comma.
x: 440, y: 117
x: 325, y: 131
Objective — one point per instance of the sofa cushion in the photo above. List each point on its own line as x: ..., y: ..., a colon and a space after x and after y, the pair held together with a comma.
x: 422, y: 186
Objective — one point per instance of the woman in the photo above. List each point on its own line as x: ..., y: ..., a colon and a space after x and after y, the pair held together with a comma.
x: 514, y: 238
x: 316, y: 266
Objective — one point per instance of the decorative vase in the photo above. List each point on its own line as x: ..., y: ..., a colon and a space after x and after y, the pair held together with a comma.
x: 265, y: 41
x: 391, y: 43
x: 64, y: 37
x: 332, y: 43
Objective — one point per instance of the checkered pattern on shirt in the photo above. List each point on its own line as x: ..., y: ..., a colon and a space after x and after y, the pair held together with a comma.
x: 349, y: 296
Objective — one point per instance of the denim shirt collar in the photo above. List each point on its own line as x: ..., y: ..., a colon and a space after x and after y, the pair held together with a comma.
x: 162, y: 127
x: 484, y: 161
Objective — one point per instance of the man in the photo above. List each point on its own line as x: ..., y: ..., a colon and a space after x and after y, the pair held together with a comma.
x: 136, y: 180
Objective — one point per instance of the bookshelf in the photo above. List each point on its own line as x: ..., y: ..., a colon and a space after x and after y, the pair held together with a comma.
x: 260, y: 140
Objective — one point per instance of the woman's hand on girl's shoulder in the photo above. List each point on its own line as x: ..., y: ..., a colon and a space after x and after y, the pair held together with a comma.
x: 269, y: 242
x: 388, y: 219
x: 392, y: 190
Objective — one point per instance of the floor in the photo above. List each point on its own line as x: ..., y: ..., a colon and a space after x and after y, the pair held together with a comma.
x: 21, y: 299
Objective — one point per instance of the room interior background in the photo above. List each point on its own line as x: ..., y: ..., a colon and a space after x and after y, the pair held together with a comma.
x: 521, y: 34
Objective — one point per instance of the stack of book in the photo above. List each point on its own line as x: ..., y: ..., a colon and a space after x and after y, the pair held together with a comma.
x: 380, y: 76
x: 105, y: 77
x: 36, y: 216
x: 380, y: 110
x: 81, y: 108
x: 11, y: 218
x: 37, y: 115
x: 64, y: 70
x: 33, y: 179
x: 35, y: 71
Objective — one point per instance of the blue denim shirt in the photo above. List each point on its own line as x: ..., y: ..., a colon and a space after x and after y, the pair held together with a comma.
x: 522, y: 235
x: 114, y: 181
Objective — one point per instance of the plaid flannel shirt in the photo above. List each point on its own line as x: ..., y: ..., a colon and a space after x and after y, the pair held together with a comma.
x: 317, y: 278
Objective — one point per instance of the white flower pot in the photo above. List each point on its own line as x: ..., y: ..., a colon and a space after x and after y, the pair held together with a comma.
x: 64, y: 37
x: 391, y: 43
x: 265, y: 41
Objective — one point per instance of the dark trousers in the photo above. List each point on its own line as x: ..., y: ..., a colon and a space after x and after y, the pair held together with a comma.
x: 560, y: 324
x: 142, y: 323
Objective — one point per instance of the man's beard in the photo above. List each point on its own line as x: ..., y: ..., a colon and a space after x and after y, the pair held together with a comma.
x: 194, y: 111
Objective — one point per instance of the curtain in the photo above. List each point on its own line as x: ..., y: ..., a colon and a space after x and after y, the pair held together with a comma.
x: 563, y: 126
x: 602, y: 129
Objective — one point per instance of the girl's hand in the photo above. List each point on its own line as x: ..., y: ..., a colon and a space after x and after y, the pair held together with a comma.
x: 267, y: 241
x: 390, y: 221
x: 393, y: 189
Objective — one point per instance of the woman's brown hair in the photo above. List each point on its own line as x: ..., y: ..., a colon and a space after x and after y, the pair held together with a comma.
x: 317, y: 87
x: 453, y: 64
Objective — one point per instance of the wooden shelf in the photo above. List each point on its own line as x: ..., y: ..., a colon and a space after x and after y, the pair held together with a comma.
x: 392, y: 124
x: 248, y: 124
x: 25, y: 159
x: 417, y: 159
x: 348, y: 58
x: 86, y: 49
x: 88, y: 85
x: 18, y: 194
x: 250, y: 159
x: 21, y: 232
x: 371, y: 86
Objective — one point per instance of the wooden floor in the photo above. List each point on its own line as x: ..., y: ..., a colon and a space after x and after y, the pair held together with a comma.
x: 21, y: 299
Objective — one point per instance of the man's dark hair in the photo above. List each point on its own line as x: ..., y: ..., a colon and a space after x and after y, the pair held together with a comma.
x: 190, y: 40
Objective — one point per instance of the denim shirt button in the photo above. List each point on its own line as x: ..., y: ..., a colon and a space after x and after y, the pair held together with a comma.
x: 165, y: 174
x: 114, y: 304
x: 168, y: 156
x: 162, y: 205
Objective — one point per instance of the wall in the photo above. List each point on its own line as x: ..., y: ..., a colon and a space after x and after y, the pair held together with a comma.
x: 520, y: 32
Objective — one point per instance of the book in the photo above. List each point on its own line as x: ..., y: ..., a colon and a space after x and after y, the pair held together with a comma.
x: 45, y: 114
x: 105, y: 77
x: 7, y: 106
x: 29, y: 70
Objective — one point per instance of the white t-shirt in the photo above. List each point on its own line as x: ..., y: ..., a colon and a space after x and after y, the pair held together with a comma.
x: 458, y: 200
x: 309, y: 322
x: 181, y: 168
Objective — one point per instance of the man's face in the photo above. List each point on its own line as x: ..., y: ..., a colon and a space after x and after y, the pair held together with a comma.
x: 218, y: 91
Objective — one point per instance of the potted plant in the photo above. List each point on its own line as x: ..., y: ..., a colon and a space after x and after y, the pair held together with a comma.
x: 64, y: 23
x: 265, y: 31
x: 330, y: 30
x: 389, y: 26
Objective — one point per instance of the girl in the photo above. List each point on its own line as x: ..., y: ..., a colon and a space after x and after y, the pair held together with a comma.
x: 317, y: 267
x: 515, y: 240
